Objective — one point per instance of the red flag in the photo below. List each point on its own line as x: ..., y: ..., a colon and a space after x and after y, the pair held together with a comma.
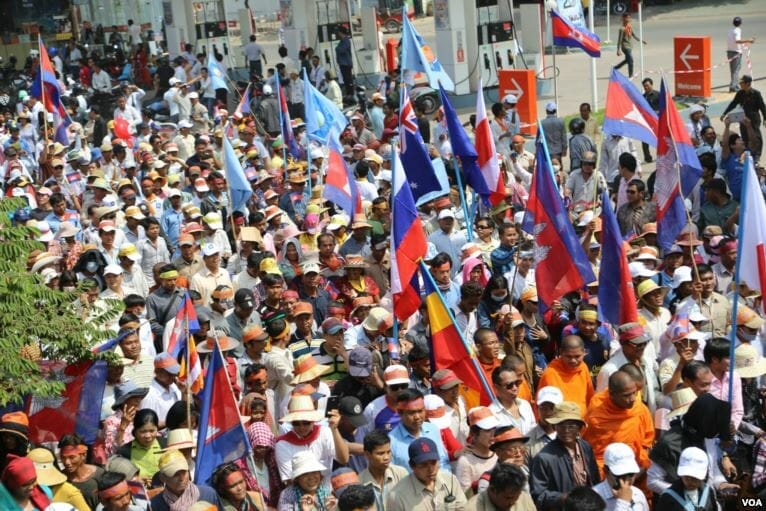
x: 122, y: 130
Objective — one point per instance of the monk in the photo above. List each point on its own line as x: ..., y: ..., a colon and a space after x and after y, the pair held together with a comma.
x: 569, y: 373
x: 616, y: 415
x: 516, y: 363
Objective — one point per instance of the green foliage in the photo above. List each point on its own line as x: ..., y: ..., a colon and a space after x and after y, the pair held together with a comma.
x: 36, y: 320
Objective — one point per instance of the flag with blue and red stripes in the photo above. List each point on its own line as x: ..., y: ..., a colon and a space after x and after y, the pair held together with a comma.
x: 45, y: 87
x: 221, y: 438
x: 181, y: 344
x: 244, y: 103
x: 287, y: 130
x: 340, y: 187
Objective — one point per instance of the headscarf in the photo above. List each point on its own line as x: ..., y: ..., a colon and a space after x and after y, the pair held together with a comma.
x: 471, y: 263
x: 184, y: 501
x: 260, y: 435
x: 289, y: 269
x: 19, y: 471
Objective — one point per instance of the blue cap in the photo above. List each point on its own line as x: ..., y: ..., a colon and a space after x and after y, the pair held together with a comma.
x: 422, y: 450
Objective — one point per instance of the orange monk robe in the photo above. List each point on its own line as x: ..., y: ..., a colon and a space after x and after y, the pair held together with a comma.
x: 525, y: 392
x: 606, y: 424
x: 487, y: 368
x: 575, y: 384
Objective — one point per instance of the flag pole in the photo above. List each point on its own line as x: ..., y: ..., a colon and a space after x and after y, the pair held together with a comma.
x: 735, y: 305
x: 555, y: 76
x: 469, y: 350
x: 188, y: 373
x: 593, y: 82
x: 282, y: 128
x: 641, y: 35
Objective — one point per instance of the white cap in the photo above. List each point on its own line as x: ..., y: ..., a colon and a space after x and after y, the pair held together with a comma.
x: 549, y: 394
x: 680, y: 275
x: 695, y: 109
x: 185, y: 124
x: 396, y: 375
x: 209, y: 249
x: 193, y: 95
x: 174, y: 192
x: 639, y: 269
x: 620, y: 459
x: 436, y: 406
x: 49, y: 274
x: 550, y: 106
x: 173, y: 81
x: 113, y: 269
x: 482, y: 417
x: 446, y: 213
x: 266, y: 90
x: 510, y: 98
x: 46, y: 233
x: 693, y: 463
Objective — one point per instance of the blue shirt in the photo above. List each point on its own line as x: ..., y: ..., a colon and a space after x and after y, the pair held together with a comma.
x: 171, y: 222
x: 735, y: 170
x: 400, y: 444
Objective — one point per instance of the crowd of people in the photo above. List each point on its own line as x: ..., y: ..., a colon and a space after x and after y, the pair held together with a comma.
x: 339, y: 400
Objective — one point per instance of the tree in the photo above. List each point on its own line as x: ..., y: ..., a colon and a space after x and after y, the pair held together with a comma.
x: 37, y: 323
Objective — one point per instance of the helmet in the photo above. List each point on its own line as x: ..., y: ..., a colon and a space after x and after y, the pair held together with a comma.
x: 576, y: 125
x: 52, y: 52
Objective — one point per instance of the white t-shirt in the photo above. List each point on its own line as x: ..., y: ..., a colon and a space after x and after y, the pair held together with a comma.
x: 323, y: 449
x: 735, y: 34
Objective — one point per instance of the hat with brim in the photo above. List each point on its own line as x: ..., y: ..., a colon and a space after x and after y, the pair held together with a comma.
x: 307, y: 369
x: 566, y: 411
x: 445, y: 379
x: 649, y: 286
x: 125, y: 391
x: 301, y: 408
x: 355, y: 261
x: 180, y: 438
x: 681, y: 400
x: 44, y: 260
x: 305, y: 462
x: 748, y: 363
x: 224, y: 342
x: 67, y: 230
x: 508, y: 435
x: 45, y: 467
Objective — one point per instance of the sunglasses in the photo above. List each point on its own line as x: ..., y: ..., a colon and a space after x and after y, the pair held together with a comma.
x: 398, y: 387
x: 512, y: 384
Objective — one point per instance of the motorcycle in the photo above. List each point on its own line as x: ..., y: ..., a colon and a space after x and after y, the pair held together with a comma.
x: 426, y: 98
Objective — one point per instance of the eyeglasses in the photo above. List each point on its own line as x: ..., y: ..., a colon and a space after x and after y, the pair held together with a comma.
x: 512, y: 384
x: 398, y: 387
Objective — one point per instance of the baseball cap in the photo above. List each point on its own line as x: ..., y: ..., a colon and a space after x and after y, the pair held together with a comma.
x: 396, y: 375
x: 106, y: 226
x: 360, y: 362
x: 351, y: 408
x: 167, y: 362
x: 422, y: 450
x: 332, y: 326
x: 445, y: 379
x: 244, y: 298
x: 510, y: 98
x: 639, y: 269
x: 550, y: 394
x: 209, y: 249
x: 201, y: 185
x: 310, y: 267
x: 171, y: 462
x: 633, y: 333
x: 113, y: 269
x: 134, y: 212
x: 302, y: 308
x: 446, y: 213
x: 482, y: 417
x: 693, y: 463
x: 620, y: 459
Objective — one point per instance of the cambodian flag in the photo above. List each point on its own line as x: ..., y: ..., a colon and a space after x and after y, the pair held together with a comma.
x: 409, y: 244
x: 627, y: 112
x: 340, y: 187
x: 485, y: 147
x: 45, y: 86
x: 562, y: 265
x: 244, y: 103
x: 414, y: 156
x: 181, y: 343
x: 566, y: 34
x: 751, y: 257
x: 675, y: 158
x: 464, y: 150
x: 77, y: 409
x: 616, y: 298
x: 221, y: 437
x: 287, y: 130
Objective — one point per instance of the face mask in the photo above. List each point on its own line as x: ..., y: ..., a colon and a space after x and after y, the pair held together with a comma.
x: 91, y: 266
x: 499, y: 298
x: 747, y: 337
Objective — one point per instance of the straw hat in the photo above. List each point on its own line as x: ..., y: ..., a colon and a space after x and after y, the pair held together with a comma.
x: 355, y: 261
x: 748, y: 363
x: 301, y: 408
x: 681, y: 400
x: 649, y: 286
x: 179, y: 439
x: 224, y: 342
x: 47, y: 473
x: 307, y: 369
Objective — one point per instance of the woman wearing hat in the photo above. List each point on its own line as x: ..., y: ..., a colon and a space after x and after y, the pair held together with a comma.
x: 355, y: 283
x: 306, y: 493
x: 19, y: 487
x: 477, y: 457
x: 49, y: 475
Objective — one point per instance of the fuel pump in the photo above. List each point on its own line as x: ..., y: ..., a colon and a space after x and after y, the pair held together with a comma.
x: 495, y: 41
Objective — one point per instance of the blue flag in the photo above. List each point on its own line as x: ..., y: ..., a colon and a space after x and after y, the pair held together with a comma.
x: 216, y: 73
x: 415, y: 159
x: 464, y: 149
x: 221, y: 438
x: 322, y: 115
x: 240, y: 187
x: 418, y: 57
